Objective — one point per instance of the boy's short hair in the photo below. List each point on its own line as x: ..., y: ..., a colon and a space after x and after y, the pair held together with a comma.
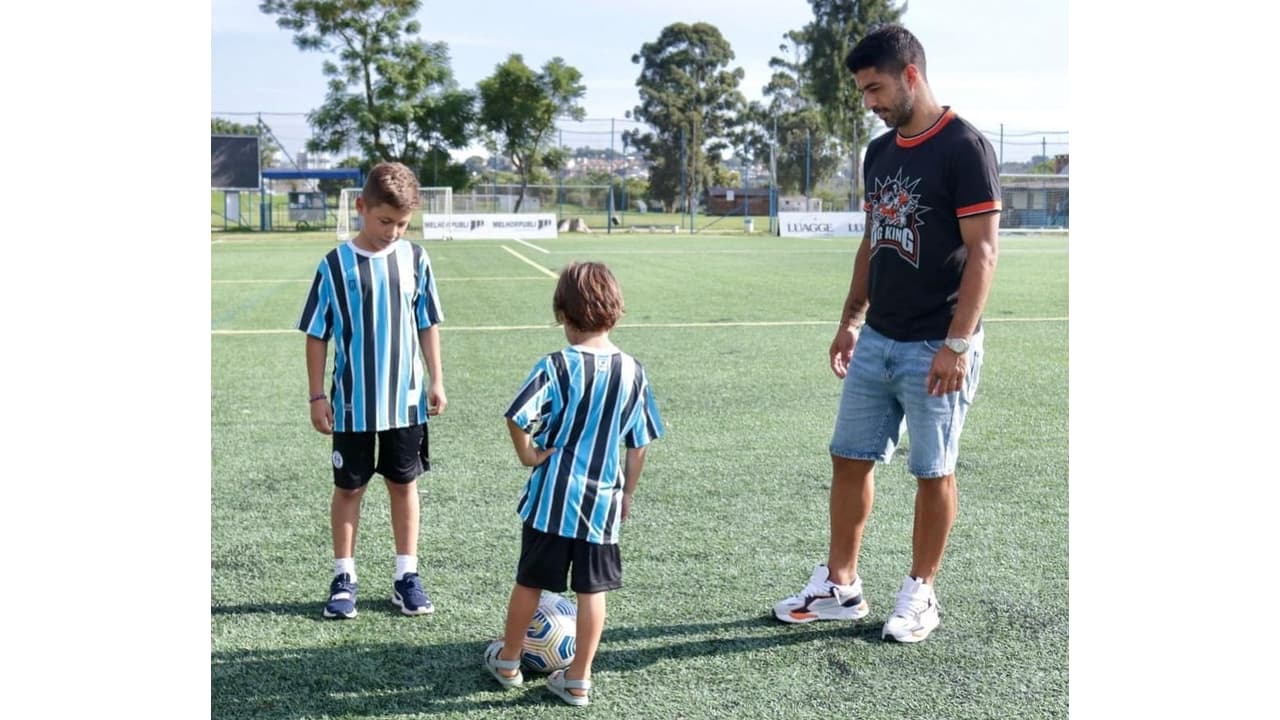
x: 394, y: 184
x: 889, y: 49
x: 588, y: 297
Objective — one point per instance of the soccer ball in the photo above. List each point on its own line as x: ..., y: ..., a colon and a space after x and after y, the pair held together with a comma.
x: 552, y: 637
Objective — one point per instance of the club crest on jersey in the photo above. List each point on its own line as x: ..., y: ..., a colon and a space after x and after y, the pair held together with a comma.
x: 895, y: 217
x: 337, y: 459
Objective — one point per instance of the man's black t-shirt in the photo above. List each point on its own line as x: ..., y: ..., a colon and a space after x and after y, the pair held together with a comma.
x: 918, y: 188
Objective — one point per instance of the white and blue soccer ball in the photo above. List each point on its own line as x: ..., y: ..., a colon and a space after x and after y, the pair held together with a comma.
x: 551, y: 640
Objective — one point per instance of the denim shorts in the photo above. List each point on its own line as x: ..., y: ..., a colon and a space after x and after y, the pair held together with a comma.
x: 885, y: 382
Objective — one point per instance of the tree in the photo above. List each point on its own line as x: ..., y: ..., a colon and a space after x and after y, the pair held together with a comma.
x: 519, y: 107
x: 804, y: 152
x: 390, y: 94
x: 333, y: 187
x: 836, y: 28
x: 1044, y: 167
x: 267, y: 145
x: 692, y: 102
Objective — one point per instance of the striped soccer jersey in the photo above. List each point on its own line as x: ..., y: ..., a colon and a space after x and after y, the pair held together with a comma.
x: 584, y: 401
x: 373, y: 305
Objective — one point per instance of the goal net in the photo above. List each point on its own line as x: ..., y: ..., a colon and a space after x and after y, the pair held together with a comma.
x: 431, y: 222
x: 437, y: 213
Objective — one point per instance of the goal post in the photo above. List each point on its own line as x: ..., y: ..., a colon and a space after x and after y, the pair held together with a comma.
x: 437, y: 213
x: 348, y: 223
x: 430, y: 222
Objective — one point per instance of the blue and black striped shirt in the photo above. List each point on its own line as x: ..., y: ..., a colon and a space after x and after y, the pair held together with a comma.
x: 586, y: 402
x: 373, y: 305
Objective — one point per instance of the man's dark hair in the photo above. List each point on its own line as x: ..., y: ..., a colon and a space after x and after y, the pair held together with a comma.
x: 889, y: 49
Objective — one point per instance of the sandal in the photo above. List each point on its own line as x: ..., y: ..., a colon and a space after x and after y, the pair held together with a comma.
x: 560, y: 685
x: 493, y: 664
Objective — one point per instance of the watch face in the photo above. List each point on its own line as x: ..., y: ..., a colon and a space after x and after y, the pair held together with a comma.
x: 958, y: 346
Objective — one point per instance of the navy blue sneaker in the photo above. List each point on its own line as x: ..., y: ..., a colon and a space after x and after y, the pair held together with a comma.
x: 410, y: 597
x: 342, y: 598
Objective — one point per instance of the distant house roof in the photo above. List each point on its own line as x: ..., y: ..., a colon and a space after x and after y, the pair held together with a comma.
x: 737, y: 191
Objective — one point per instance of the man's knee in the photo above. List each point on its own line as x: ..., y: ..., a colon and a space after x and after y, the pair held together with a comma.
x: 849, y: 470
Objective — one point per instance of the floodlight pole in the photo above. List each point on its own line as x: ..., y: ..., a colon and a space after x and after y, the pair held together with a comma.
x: 853, y: 168
x: 808, y: 147
x: 684, y: 195
x: 773, y: 177
x: 693, y: 180
x: 561, y: 175
x: 746, y: 202
x: 609, y: 220
x: 262, y: 182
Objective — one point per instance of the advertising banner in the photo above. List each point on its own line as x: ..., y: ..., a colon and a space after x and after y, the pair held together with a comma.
x: 822, y: 224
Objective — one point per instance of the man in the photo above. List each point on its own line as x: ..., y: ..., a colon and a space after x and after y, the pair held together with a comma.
x: 910, y: 336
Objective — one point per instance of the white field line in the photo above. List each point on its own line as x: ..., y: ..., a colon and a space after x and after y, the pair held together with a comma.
x: 530, y: 262
x: 747, y: 323
x: 535, y: 247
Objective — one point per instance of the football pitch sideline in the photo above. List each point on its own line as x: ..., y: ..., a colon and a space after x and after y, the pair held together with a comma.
x: 730, y: 515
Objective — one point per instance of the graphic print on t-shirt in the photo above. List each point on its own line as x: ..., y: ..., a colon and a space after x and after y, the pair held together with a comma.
x: 895, y: 217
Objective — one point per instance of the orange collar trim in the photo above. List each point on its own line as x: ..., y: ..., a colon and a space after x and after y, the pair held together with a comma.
x: 914, y: 140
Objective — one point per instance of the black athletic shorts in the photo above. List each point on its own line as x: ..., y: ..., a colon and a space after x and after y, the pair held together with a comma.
x: 402, y: 456
x: 545, y: 561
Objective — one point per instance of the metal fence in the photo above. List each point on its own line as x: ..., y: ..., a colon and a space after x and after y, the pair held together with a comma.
x: 1035, y: 202
x: 1030, y: 202
x: 598, y: 150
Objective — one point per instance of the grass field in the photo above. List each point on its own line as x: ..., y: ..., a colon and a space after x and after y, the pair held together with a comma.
x: 730, y: 516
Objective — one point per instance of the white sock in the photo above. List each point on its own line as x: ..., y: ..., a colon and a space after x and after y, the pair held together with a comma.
x: 345, y: 565
x: 406, y: 564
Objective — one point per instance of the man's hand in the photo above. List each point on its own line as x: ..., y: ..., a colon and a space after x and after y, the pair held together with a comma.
x: 947, y: 373
x: 841, y: 350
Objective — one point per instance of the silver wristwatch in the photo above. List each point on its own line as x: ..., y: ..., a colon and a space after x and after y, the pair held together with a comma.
x: 957, y: 345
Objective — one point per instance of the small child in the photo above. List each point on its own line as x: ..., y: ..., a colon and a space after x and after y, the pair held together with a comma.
x: 566, y: 423
x: 375, y: 296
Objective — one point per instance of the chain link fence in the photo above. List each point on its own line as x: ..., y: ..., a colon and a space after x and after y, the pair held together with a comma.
x: 604, y: 185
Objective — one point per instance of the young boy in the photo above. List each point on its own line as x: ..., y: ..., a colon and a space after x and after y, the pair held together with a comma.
x: 376, y: 297
x: 566, y: 422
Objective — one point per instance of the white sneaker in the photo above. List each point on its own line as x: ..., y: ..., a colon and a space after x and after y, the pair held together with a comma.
x: 822, y: 599
x: 915, y: 614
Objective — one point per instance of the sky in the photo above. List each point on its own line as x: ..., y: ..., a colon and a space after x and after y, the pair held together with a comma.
x: 994, y: 62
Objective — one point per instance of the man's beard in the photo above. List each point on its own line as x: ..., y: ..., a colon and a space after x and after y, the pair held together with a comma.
x: 900, y: 114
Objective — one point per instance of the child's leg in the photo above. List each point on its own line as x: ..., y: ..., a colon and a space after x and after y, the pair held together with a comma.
x: 344, y: 519
x: 591, y: 612
x: 520, y: 609
x: 404, y: 516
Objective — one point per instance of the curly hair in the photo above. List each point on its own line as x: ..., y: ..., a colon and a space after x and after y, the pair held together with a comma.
x: 394, y: 184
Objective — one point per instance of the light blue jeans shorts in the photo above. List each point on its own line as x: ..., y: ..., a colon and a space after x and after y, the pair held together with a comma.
x: 885, y: 382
